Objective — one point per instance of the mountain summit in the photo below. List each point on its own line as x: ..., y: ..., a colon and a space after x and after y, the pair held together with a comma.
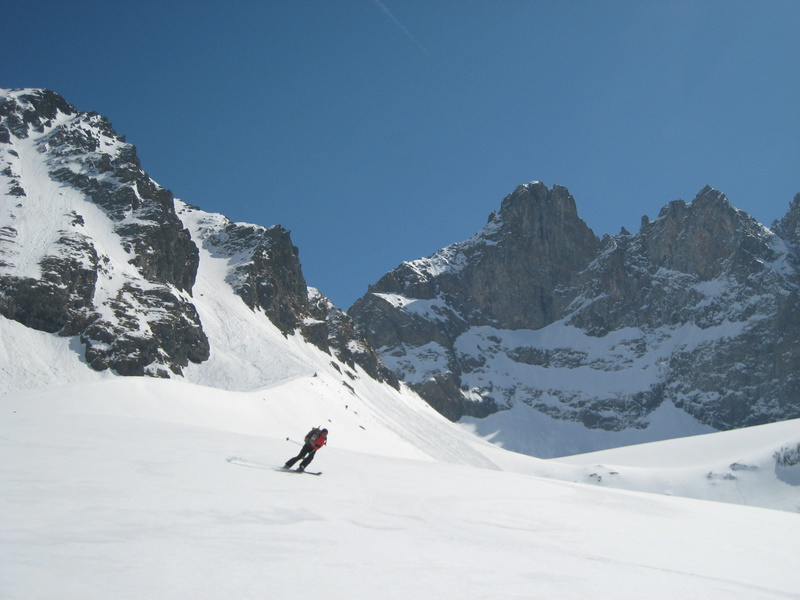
x: 92, y: 248
x: 696, y: 318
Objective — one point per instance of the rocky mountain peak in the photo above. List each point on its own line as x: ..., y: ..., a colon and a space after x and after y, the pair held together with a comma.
x: 511, y: 274
x: 697, y: 238
x: 26, y: 109
x: 543, y: 223
x: 91, y: 246
x: 697, y: 311
x: 789, y: 226
x: 535, y: 243
x: 535, y: 199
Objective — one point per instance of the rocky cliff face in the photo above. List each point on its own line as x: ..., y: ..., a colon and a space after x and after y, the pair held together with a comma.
x: 698, y: 310
x: 265, y: 272
x: 69, y: 174
x: 91, y: 246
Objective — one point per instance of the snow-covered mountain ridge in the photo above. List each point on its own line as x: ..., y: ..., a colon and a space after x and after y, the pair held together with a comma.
x: 92, y: 248
x: 699, y: 311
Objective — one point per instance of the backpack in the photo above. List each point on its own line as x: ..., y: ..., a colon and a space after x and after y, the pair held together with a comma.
x: 312, y: 435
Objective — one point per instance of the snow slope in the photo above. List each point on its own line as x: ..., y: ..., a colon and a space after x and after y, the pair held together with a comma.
x: 759, y: 466
x: 121, y: 489
x: 527, y: 430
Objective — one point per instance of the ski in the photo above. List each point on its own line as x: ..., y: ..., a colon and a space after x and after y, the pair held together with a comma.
x: 235, y: 460
x: 285, y: 470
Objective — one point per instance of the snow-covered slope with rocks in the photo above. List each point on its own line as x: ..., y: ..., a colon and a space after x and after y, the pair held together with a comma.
x: 92, y: 249
x: 551, y: 341
x: 294, y: 386
x: 91, y: 246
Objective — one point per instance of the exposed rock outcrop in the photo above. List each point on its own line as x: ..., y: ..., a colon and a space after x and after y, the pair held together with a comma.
x: 113, y: 263
x: 698, y: 309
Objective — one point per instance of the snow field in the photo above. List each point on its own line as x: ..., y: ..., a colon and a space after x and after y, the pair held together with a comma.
x: 121, y: 489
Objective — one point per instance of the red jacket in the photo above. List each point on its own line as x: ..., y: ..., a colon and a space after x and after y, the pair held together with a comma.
x: 319, y: 442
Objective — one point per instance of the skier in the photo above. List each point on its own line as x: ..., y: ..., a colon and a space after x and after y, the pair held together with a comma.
x: 315, y: 439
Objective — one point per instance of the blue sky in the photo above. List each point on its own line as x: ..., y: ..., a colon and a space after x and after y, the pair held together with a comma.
x: 381, y: 131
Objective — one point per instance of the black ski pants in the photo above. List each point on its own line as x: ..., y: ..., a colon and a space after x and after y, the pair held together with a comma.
x: 308, y: 451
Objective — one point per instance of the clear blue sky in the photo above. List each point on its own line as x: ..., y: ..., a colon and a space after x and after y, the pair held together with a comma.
x: 381, y: 131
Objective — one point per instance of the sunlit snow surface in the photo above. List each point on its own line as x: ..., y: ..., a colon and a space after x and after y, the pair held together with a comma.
x: 121, y: 489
